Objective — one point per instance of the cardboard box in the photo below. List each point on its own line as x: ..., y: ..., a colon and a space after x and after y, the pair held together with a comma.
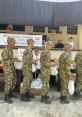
x: 34, y: 91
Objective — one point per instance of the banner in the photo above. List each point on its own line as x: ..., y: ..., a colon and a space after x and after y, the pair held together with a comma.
x: 21, y: 39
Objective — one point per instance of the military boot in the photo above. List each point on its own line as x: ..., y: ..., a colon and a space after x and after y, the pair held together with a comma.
x: 28, y: 95
x: 12, y: 95
x: 23, y: 98
x: 64, y: 100
x: 45, y: 100
x: 47, y: 97
x: 77, y: 95
x: 8, y: 99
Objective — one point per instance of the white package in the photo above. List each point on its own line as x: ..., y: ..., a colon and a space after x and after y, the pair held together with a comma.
x: 18, y: 65
x: 54, y: 71
x: 71, y: 87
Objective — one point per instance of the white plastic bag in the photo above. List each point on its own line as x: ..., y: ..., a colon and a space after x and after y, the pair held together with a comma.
x: 71, y: 87
x: 18, y: 65
x: 33, y: 68
x: 54, y: 71
x: 38, y: 65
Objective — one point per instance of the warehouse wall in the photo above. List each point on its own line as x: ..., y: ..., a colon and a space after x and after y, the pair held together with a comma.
x: 53, y: 36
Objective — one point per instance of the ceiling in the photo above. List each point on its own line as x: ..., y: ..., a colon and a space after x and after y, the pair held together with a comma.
x: 41, y: 13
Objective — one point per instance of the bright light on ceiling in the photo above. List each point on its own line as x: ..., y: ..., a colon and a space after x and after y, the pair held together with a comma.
x: 60, y: 0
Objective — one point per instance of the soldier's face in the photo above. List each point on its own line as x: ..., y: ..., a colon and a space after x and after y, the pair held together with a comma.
x: 12, y: 44
x: 31, y: 44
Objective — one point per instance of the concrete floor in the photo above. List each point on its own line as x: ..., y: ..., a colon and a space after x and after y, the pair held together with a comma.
x: 37, y: 109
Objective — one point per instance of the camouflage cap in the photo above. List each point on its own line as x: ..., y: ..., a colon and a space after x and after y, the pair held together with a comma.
x: 28, y: 40
x: 10, y: 39
x: 67, y: 45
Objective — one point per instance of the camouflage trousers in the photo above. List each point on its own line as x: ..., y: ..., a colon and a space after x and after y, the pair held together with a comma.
x: 78, y: 82
x: 10, y: 79
x: 26, y: 83
x: 64, y: 85
x: 45, y: 76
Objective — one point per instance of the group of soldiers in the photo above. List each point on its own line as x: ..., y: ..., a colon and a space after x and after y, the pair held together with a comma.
x: 66, y: 75
x: 64, y: 72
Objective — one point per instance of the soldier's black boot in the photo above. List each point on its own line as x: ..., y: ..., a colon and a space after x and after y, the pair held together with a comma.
x: 45, y: 100
x: 64, y: 100
x: 77, y: 95
x: 28, y: 95
x: 24, y: 98
x: 47, y: 97
x: 8, y: 99
x: 12, y: 95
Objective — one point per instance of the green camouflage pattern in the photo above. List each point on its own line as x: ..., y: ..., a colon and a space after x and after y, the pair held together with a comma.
x: 78, y: 71
x: 64, y: 71
x: 27, y: 67
x: 45, y: 70
x: 9, y: 69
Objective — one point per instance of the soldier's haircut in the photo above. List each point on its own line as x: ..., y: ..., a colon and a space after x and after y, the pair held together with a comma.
x: 28, y: 40
x: 10, y: 39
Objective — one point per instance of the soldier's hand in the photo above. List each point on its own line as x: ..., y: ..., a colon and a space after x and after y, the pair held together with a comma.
x: 15, y: 59
x: 34, y: 62
x: 53, y: 65
x: 71, y: 77
x: 74, y: 66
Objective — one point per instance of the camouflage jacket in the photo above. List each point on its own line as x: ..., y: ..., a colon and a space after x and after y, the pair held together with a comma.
x: 45, y: 59
x: 7, y: 56
x: 65, y: 64
x: 79, y: 61
x: 27, y: 58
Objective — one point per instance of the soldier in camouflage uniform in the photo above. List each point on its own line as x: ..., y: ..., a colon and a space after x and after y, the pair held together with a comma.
x: 78, y: 61
x: 45, y: 72
x: 9, y: 69
x: 65, y: 72
x: 27, y: 67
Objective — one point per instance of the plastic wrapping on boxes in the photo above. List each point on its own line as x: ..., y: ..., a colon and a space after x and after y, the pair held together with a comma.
x: 36, y: 87
x: 37, y: 83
